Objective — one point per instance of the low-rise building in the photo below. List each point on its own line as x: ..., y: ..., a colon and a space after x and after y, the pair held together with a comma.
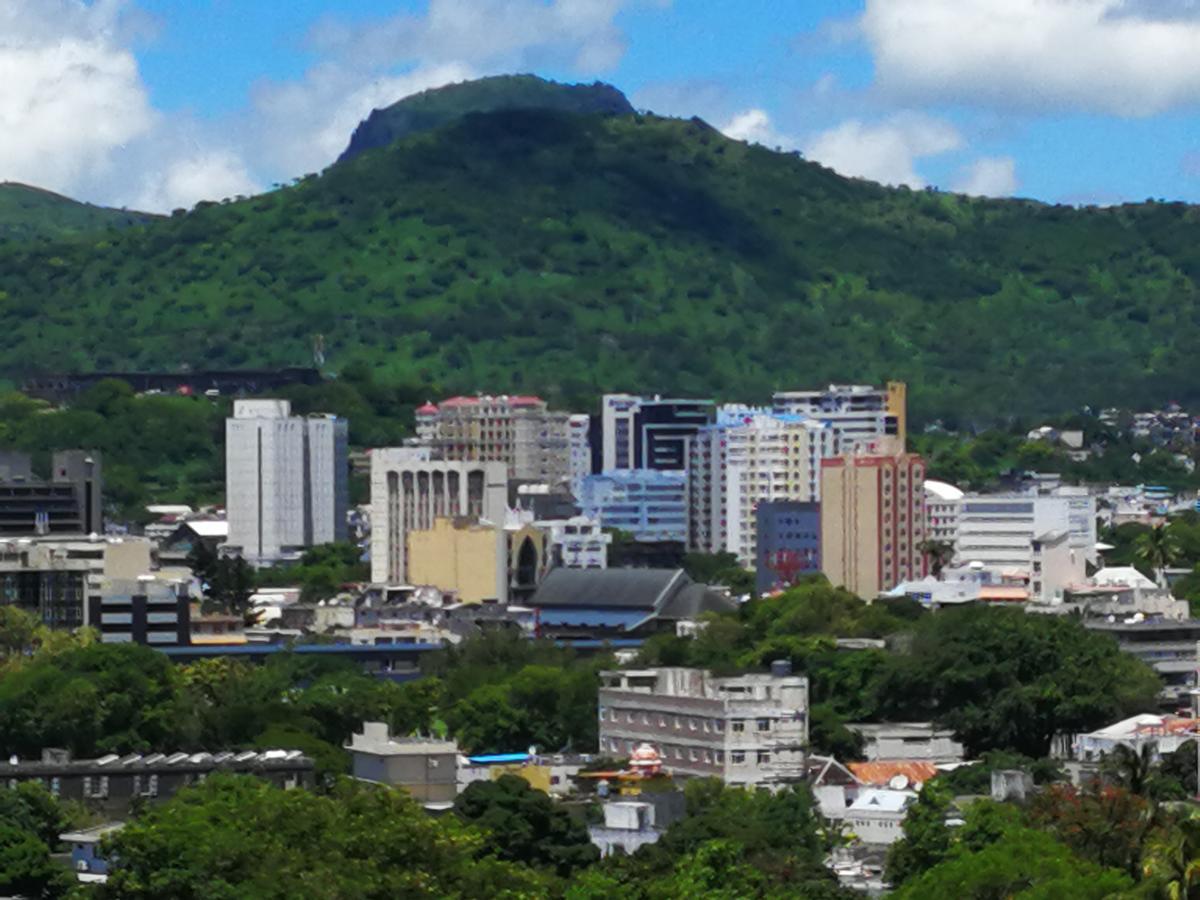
x: 907, y: 740
x: 426, y: 767
x: 628, y: 826
x: 576, y: 543
x: 87, y: 861
x: 1163, y: 734
x: 876, y: 816
x: 1168, y: 646
x: 747, y: 730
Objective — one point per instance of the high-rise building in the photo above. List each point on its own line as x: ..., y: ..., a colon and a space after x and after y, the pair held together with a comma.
x: 747, y: 457
x: 410, y: 491
x: 873, y: 521
x: 789, y: 543
x: 650, y: 505
x: 857, y: 413
x: 533, y: 442
x: 649, y: 432
x: 286, y: 480
x: 580, y: 448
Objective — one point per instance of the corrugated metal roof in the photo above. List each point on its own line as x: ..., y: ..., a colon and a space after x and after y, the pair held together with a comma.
x: 881, y: 772
x: 626, y: 619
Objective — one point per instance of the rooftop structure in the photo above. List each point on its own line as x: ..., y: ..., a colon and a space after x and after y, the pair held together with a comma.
x: 426, y: 767
x: 856, y: 413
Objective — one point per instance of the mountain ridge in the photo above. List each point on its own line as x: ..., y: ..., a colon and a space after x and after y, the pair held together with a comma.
x: 27, y: 211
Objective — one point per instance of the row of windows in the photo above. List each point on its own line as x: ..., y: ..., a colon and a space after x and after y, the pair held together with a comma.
x: 717, y: 726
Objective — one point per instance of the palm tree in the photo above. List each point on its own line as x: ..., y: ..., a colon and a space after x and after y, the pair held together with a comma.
x: 940, y: 554
x: 1173, y: 860
x: 1131, y: 768
x: 1158, y: 548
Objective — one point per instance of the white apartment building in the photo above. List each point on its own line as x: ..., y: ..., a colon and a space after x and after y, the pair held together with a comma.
x: 409, y: 491
x: 942, y: 502
x: 579, y: 448
x: 576, y: 543
x: 286, y: 480
x: 856, y: 413
x: 748, y: 456
x: 521, y: 432
x: 747, y: 730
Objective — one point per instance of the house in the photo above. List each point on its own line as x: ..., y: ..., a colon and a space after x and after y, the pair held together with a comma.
x: 630, y: 825
x: 426, y: 767
x: 908, y: 740
x: 877, y: 815
x: 87, y: 861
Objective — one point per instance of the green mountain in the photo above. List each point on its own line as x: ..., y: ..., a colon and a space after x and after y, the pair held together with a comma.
x: 27, y: 212
x: 437, y: 107
x: 537, y: 250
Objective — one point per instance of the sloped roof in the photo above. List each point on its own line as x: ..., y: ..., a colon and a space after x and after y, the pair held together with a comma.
x: 875, y: 800
x: 883, y: 771
x: 1123, y: 575
x: 598, y: 588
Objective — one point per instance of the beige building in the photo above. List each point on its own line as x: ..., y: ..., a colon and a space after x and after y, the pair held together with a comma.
x: 478, y: 560
x: 873, y: 521
x: 521, y: 432
x: 426, y: 768
x: 410, y: 491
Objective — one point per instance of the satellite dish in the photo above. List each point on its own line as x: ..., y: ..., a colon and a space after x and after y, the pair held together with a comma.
x: 898, y: 782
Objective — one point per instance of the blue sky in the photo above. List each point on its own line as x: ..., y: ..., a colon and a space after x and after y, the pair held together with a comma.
x: 161, y: 103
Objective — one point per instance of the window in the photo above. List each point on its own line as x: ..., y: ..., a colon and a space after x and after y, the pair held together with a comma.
x: 645, y: 718
x: 692, y: 724
x: 691, y: 756
x: 764, y: 756
x: 764, y: 724
x: 719, y: 725
x: 678, y: 724
x: 737, y: 757
x: 629, y: 718
x: 738, y: 726
x: 55, y: 786
x: 662, y: 721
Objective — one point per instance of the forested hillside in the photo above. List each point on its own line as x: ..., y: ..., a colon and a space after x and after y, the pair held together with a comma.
x: 29, y: 212
x: 570, y: 254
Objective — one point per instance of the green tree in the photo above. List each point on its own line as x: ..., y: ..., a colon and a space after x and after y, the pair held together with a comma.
x: 939, y: 554
x: 1172, y: 860
x: 1158, y: 549
x: 926, y: 841
x: 18, y: 631
x: 1104, y: 824
x: 1023, y: 865
x: 26, y: 869
x: 526, y: 824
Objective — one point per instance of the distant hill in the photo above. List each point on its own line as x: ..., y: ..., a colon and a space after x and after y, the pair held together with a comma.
x: 27, y: 212
x: 433, y: 108
x: 567, y: 254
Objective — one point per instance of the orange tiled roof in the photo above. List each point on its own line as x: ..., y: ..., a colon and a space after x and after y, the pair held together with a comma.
x: 878, y: 774
x: 992, y: 592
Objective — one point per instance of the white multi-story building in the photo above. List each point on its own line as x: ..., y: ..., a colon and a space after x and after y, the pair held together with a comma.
x: 747, y: 730
x: 410, y: 491
x: 576, y: 543
x: 286, y: 480
x: 857, y: 413
x: 749, y: 456
x: 942, y: 502
x: 579, y: 448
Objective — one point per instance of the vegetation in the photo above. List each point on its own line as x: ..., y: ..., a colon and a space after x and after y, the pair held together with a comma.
x: 29, y: 213
x: 541, y: 249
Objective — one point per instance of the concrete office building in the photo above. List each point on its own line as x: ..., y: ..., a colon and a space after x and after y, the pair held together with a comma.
x: 789, y: 542
x: 576, y: 543
x: 533, y: 442
x: 410, y: 491
x: 650, y: 505
x: 750, y: 456
x: 873, y: 521
x: 68, y: 502
x: 57, y: 578
x: 748, y: 730
x: 858, y: 414
x: 942, y: 503
x: 425, y: 767
x: 286, y: 481
x: 1002, y: 534
x: 144, y: 610
x: 648, y: 432
x: 478, y: 560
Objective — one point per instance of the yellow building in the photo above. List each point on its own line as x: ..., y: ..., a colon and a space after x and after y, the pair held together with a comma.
x: 897, y: 408
x: 477, y: 560
x: 873, y: 521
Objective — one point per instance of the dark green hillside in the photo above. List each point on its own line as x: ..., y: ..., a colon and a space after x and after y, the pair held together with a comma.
x: 27, y: 212
x: 437, y: 107
x: 566, y: 254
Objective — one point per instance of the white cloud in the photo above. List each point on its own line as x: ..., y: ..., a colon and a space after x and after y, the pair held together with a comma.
x: 185, y: 181
x: 754, y: 126
x: 988, y: 176
x: 885, y: 151
x: 71, y: 94
x: 1127, y: 57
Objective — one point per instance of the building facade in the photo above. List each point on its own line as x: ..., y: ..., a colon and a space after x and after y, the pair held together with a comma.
x: 748, y: 730
x: 649, y: 432
x: 576, y: 543
x: 942, y: 503
x: 410, y: 491
x: 534, y: 443
x: 427, y: 768
x: 1001, y: 533
x: 478, y: 560
x: 650, y: 505
x: 286, y: 480
x: 873, y: 521
x: 579, y: 444
x: 857, y: 414
x: 145, y: 610
x: 750, y: 456
x: 70, y: 501
x: 789, y: 543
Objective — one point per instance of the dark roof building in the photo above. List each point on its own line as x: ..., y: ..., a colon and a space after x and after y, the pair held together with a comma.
x: 601, y: 603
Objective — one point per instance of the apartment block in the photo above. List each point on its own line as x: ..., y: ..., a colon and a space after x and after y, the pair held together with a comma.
x: 750, y: 456
x: 286, y: 480
x: 789, y: 543
x: 873, y: 521
x: 858, y: 414
x: 68, y: 502
x: 410, y: 491
x: 648, y: 432
x: 534, y: 443
x: 748, y: 730
x: 942, y: 504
